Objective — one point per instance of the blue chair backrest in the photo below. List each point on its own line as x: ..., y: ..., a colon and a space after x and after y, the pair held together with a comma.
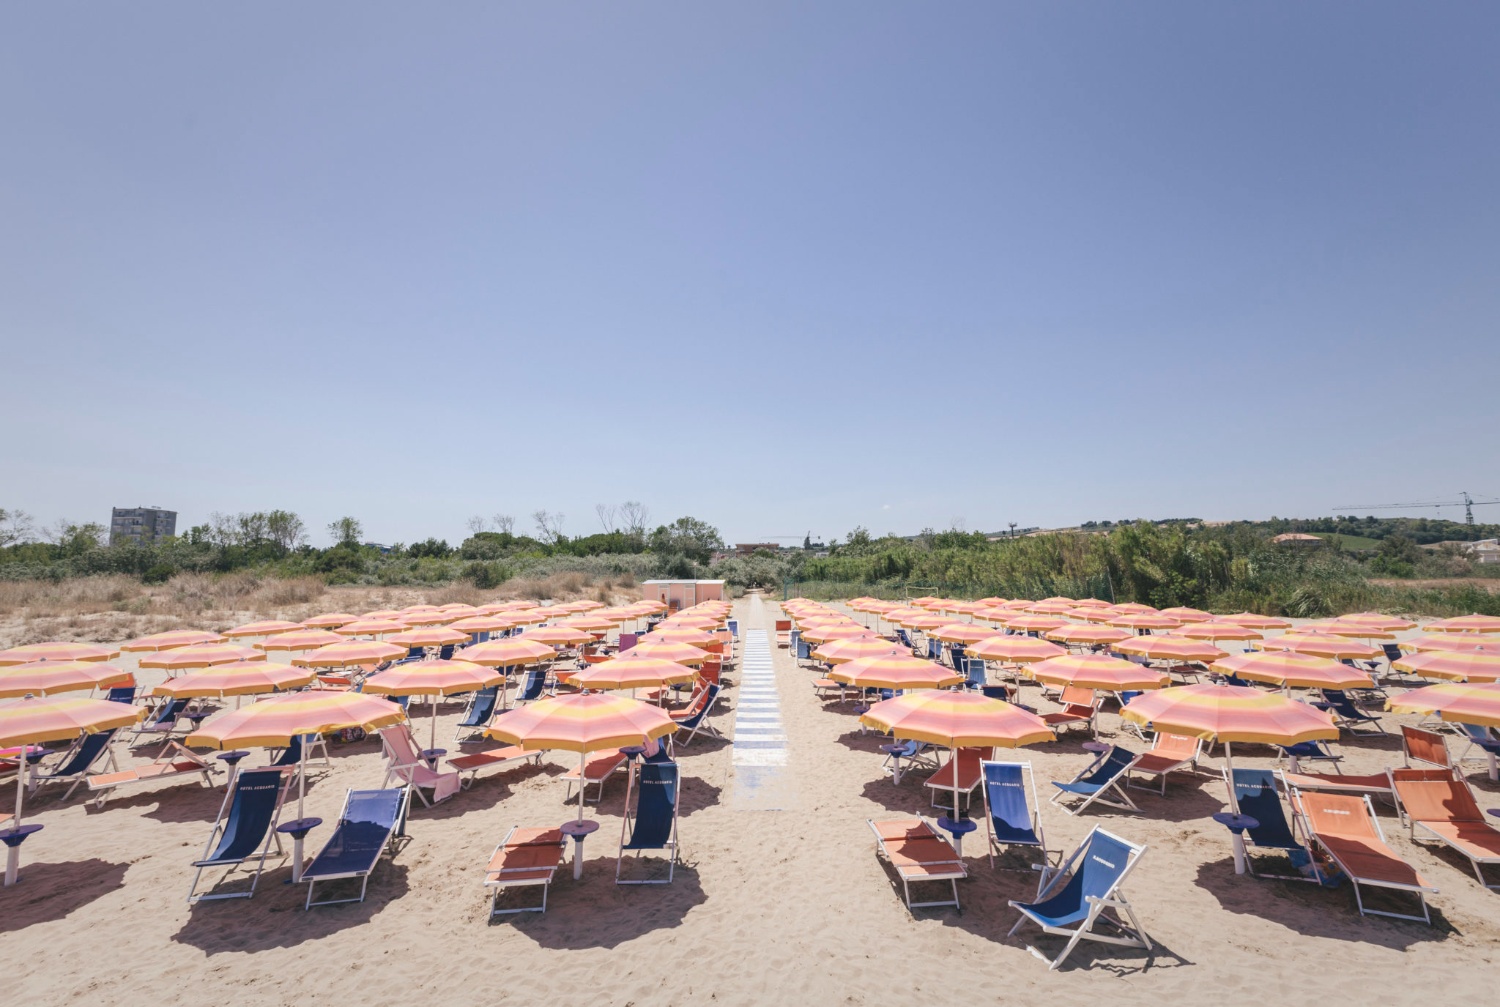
x: 1127, y: 696
x: 1096, y: 871
x: 121, y: 694
x: 803, y: 653
x: 415, y: 653
x: 655, y: 807
x: 1337, y: 699
x: 1010, y: 814
x: 995, y: 692
x: 535, y: 679
x: 1255, y: 793
x: 369, y: 818
x: 974, y: 669
x: 256, y: 792
x: 482, y: 707
x: 292, y: 754
x: 934, y: 649
x: 795, y: 638
x: 905, y: 640
x: 957, y: 653
x: 445, y: 652
x: 1113, y: 765
x: 1392, y: 651
x: 708, y: 704
x: 734, y: 628
x: 89, y: 749
x: 167, y: 713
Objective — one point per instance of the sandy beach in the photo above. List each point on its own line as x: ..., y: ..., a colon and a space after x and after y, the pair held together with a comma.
x: 779, y: 895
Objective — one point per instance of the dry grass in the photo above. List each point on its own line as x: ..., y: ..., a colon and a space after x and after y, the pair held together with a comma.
x: 113, y: 608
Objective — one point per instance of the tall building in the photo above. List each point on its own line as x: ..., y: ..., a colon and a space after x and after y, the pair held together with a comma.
x: 141, y: 525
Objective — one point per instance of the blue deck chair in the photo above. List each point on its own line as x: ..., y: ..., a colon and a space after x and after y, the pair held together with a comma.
x: 78, y: 760
x: 1256, y: 794
x: 916, y: 753
x: 653, y: 826
x: 973, y: 668
x: 934, y: 650
x: 291, y: 755
x: 1481, y: 738
x: 244, y: 831
x: 1073, y: 898
x: 794, y: 639
x: 957, y: 653
x: 121, y: 694
x: 445, y: 652
x: 1307, y: 751
x: 803, y: 653
x: 1348, y: 715
x: 531, y: 689
x: 905, y: 640
x: 369, y: 824
x: 164, y: 720
x: 1103, y: 776
x: 734, y: 628
x: 1011, y: 818
x: 481, y: 709
x: 699, y: 721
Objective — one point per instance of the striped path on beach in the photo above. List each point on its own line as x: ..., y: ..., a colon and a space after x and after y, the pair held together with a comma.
x: 761, y: 779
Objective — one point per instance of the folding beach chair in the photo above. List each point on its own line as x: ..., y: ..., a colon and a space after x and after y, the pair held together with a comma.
x: 369, y: 824
x: 174, y: 760
x: 1349, y: 716
x: 78, y: 761
x: 525, y: 858
x: 122, y: 694
x: 1311, y: 751
x: 653, y: 825
x: 974, y: 672
x: 957, y: 655
x: 598, y: 767
x: 468, y: 766
x: 290, y: 757
x: 1372, y: 784
x: 905, y: 640
x: 1011, y: 818
x: 1072, y: 899
x: 1169, y: 753
x: 1445, y: 810
x: 1418, y: 745
x: 969, y: 775
x: 1346, y: 829
x: 404, y: 762
x: 163, y: 720
x: 692, y: 721
x: 916, y: 753
x: 934, y: 650
x: 1257, y: 797
x: 481, y: 708
x: 531, y: 688
x: 918, y: 852
x: 243, y: 831
x: 1080, y: 706
x: 1103, y: 776
x: 1483, y: 739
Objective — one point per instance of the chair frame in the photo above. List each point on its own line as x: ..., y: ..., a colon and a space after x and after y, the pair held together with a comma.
x: 500, y: 884
x: 1162, y: 770
x: 1116, y: 783
x: 397, y: 831
x: 1034, y: 805
x: 628, y: 820
x: 1419, y: 891
x: 957, y: 868
x: 220, y: 824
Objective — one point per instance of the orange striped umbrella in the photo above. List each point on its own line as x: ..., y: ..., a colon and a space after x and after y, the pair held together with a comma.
x: 1087, y: 634
x: 42, y: 678
x: 993, y: 614
x: 895, y: 671
x: 1291, y: 670
x: 583, y: 723
x: 1452, y: 642
x: 302, y: 639
x: 1132, y: 608
x: 1452, y: 665
x: 1096, y: 603
x: 1170, y: 648
x: 1386, y: 622
x: 1320, y: 646
x: 349, y: 652
x: 1097, y: 671
x: 1145, y: 620
x: 1015, y: 649
x: 641, y: 673
x: 1184, y: 614
x: 1217, y: 630
x: 373, y: 627
x: 695, y: 637
x: 962, y: 632
x: 267, y: 627
x: 839, y: 651
x: 1465, y: 624
x: 823, y: 634
x: 382, y: 613
x: 591, y: 623
x: 57, y: 652
x: 682, y: 653
x: 1093, y: 614
x: 560, y: 636
x: 509, y: 653
x: 1252, y: 621
x: 242, y: 678
x: 435, y: 617
x: 167, y: 641
x: 205, y: 656
x: 1461, y: 703
x: 330, y: 620
x: 432, y: 678
x: 930, y: 621
x: 1051, y: 607
x: 1337, y: 627
x: 482, y: 624
x: 427, y: 636
x: 1035, y: 623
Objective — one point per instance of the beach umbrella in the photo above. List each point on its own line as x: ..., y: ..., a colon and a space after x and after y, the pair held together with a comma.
x: 1251, y: 620
x: 1184, y: 614
x: 204, y: 656
x: 382, y: 613
x: 36, y: 721
x: 927, y: 623
x: 1169, y: 648
x: 427, y: 636
x: 434, y: 679
x: 1291, y: 670
x: 1097, y: 672
x: 371, y: 627
x: 895, y: 671
x: 1452, y: 665
x: 1386, y: 622
x: 694, y: 637
x: 1320, y: 646
x: 962, y: 632
x: 957, y: 720
x: 590, y: 623
x: 301, y: 639
x: 1096, y: 603
x: 1017, y: 648
x: 42, y: 678
x: 566, y: 636
x: 641, y: 673
x: 167, y: 641
x: 839, y: 651
x: 1454, y: 643
x: 1338, y: 627
x: 330, y: 620
x: 507, y: 653
x: 57, y: 651
x: 1035, y: 623
x: 349, y: 652
x: 1086, y: 634
x: 824, y: 634
x: 1459, y: 702
x: 433, y: 617
x: 1230, y: 713
x: 1465, y: 624
x: 1219, y: 630
x: 582, y: 723
x: 1145, y: 620
x: 1057, y: 606
x: 275, y: 721
x: 242, y: 678
x: 482, y: 624
x: 682, y: 653
x: 266, y: 627
x: 1133, y: 608
x: 1095, y: 615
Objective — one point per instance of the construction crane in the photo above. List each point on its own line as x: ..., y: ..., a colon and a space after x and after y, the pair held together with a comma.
x: 1467, y: 502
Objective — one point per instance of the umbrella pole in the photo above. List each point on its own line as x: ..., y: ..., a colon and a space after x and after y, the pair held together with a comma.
x: 1237, y: 838
x: 297, y: 836
x: 13, y: 851
x: 432, y: 735
x: 583, y: 782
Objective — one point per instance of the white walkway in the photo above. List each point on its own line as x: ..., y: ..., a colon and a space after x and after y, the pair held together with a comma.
x: 760, y: 751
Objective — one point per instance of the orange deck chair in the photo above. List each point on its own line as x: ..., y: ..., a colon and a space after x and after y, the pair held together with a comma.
x: 1345, y: 829
x: 1446, y: 810
x: 1169, y: 753
x: 524, y: 858
x: 970, y: 773
x: 918, y: 852
x: 1080, y: 706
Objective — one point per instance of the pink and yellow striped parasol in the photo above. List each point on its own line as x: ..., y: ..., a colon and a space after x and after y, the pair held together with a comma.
x: 242, y: 678
x: 349, y: 652
x: 895, y: 671
x: 1170, y: 648
x: 1454, y: 666
x: 1097, y: 672
x: 1462, y: 703
x: 266, y: 627
x: 1016, y: 648
x: 57, y: 651
x: 43, y: 678
x: 301, y: 639
x: 1292, y: 670
x: 204, y: 656
x: 170, y: 640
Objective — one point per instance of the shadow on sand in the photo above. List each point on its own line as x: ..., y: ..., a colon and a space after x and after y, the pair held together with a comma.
x: 594, y: 912
x: 50, y: 891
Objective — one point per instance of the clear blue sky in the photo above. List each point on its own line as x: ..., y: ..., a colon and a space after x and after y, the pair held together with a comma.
x: 782, y: 267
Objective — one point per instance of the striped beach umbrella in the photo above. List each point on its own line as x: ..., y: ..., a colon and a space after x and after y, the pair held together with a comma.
x: 567, y: 636
x: 509, y: 653
x: 1455, y: 666
x: 1339, y: 627
x: 1253, y: 621
x: 170, y: 640
x: 1145, y: 620
x: 301, y: 639
x: 371, y: 627
x: 57, y: 651
x: 1459, y: 702
x: 1389, y: 623
x: 641, y: 673
x: 1086, y: 634
x: 1035, y: 623
x: 266, y: 627
x: 1291, y: 670
x: 434, y: 679
x: 1453, y: 642
x: 682, y: 653
x: 1320, y: 645
x: 349, y: 653
x: 1182, y: 613
x: 1097, y: 672
x: 1465, y: 624
x: 895, y: 671
x: 330, y: 620
x: 839, y: 651
x: 1016, y: 648
x: 204, y: 656
x: 962, y: 632
x: 427, y: 636
x: 1169, y: 648
x: 1216, y: 629
x: 242, y: 678
x: 43, y: 678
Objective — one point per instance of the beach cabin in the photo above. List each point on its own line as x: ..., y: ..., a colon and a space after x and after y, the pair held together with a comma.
x: 680, y: 594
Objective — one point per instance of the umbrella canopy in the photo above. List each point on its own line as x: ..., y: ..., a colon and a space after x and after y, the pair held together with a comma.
x: 243, y: 678
x: 1051, y: 607
x: 204, y: 656
x: 167, y: 641
x: 1338, y: 627
x: 591, y: 623
x: 432, y: 678
x: 957, y: 720
x: 1184, y: 614
x: 1291, y: 670
x: 505, y: 653
x: 61, y: 718
x: 927, y: 623
x: 330, y: 620
x: 1097, y: 671
x: 1087, y: 634
x: 373, y: 627
x: 266, y: 627
x: 349, y: 652
x: 1035, y: 623
x: 840, y: 651
x: 1320, y: 646
x: 1217, y: 630
x: 482, y: 624
x: 898, y: 671
x: 1462, y: 703
x: 57, y: 652
x: 427, y: 636
x: 1145, y: 620
x: 1453, y: 642
x: 962, y: 632
x: 581, y: 723
x: 42, y: 678
x: 276, y: 720
x: 302, y: 639
x: 1230, y: 713
x: 566, y: 636
x: 1170, y: 648
x: 1015, y: 649
x: 1389, y: 623
x: 682, y: 653
x: 1450, y: 665
x: 1251, y: 620
x: 822, y: 634
x: 433, y: 617
x: 641, y: 673
x: 1466, y: 624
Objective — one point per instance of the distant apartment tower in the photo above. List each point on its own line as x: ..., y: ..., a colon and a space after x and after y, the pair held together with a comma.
x: 141, y: 525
